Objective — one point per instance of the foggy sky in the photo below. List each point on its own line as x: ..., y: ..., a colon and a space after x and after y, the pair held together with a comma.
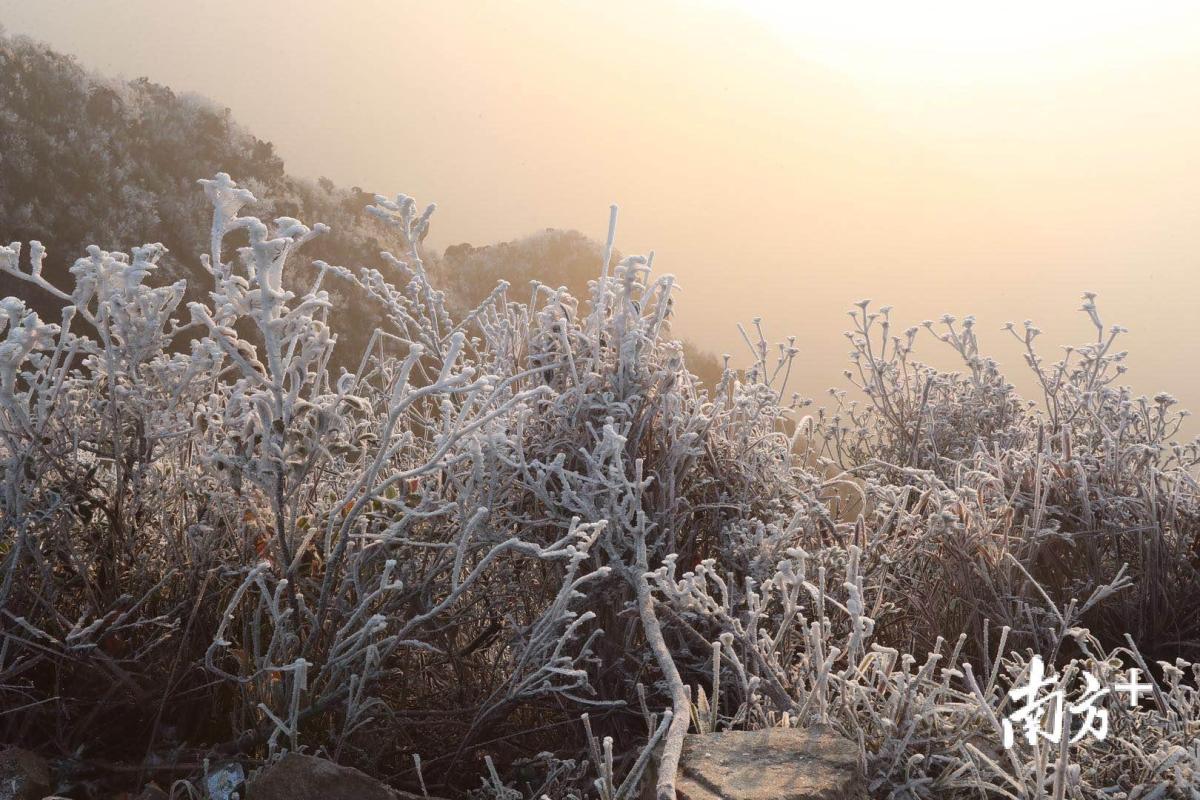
x: 778, y: 169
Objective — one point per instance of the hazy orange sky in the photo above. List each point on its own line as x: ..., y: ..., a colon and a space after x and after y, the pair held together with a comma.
x: 783, y: 159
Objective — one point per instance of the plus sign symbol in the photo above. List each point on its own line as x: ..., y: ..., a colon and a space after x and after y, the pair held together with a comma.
x: 1133, y: 688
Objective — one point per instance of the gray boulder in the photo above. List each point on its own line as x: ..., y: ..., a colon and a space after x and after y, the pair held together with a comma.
x: 773, y: 764
x: 301, y: 777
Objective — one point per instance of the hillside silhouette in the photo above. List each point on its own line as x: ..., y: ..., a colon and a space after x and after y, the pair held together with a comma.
x: 86, y: 159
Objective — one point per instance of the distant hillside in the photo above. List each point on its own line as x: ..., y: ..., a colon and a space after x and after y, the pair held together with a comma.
x: 89, y: 160
x: 86, y: 159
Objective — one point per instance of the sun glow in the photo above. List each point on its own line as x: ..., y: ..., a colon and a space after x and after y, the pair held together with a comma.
x: 953, y: 41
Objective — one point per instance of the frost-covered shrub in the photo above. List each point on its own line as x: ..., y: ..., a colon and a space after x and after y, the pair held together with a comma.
x: 238, y: 513
x: 518, y: 548
x: 957, y: 471
x: 802, y: 648
x: 915, y: 415
x: 203, y: 512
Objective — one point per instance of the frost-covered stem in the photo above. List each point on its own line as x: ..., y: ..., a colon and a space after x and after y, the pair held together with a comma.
x: 602, y: 289
x: 714, y: 702
x: 280, y: 524
x: 630, y: 784
x: 668, y: 764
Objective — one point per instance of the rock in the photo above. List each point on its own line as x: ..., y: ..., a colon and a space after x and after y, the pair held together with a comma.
x: 300, y: 777
x: 773, y: 764
x: 23, y: 775
x: 223, y: 781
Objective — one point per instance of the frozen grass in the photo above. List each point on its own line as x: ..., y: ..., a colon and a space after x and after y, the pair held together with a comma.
x: 512, y: 551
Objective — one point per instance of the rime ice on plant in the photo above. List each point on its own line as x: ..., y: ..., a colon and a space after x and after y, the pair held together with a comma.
x: 531, y: 517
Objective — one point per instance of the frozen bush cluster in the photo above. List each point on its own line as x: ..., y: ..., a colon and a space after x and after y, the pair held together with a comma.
x: 521, y: 551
